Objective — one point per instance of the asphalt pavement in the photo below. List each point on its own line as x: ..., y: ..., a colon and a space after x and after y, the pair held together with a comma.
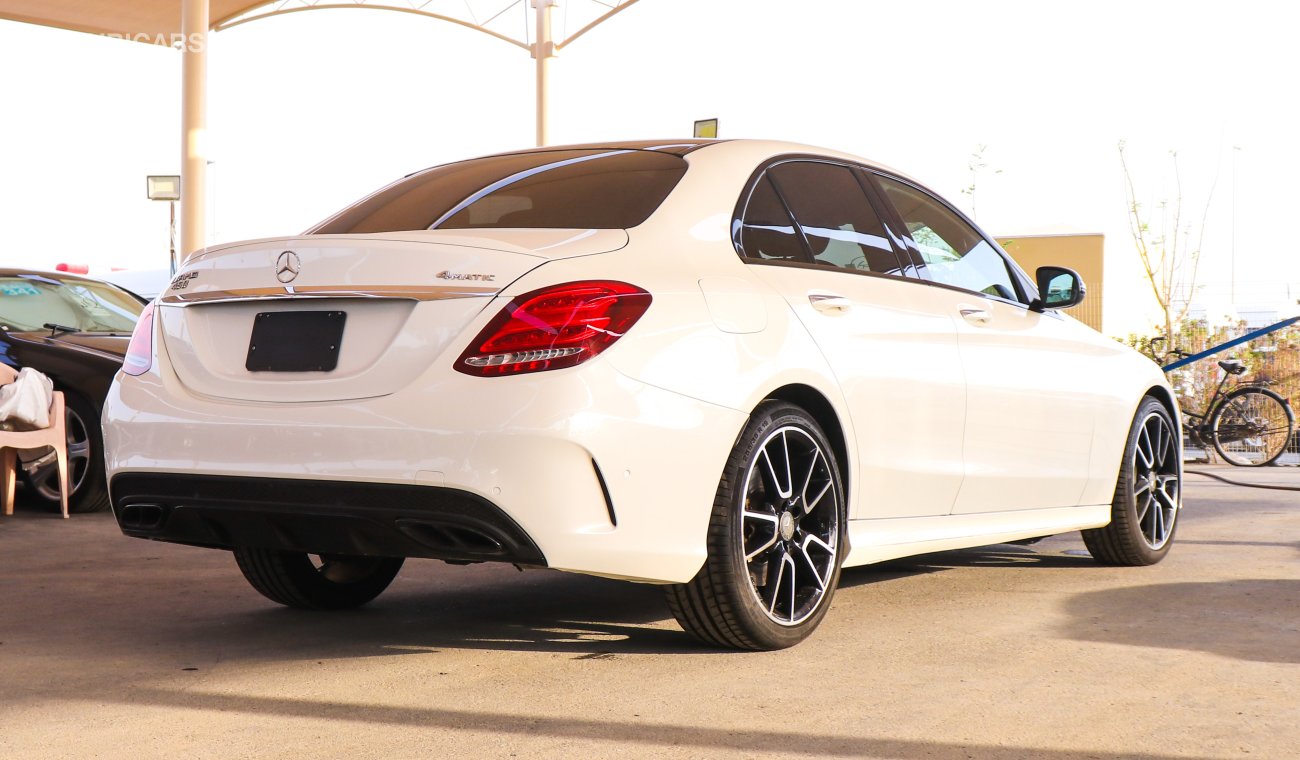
x: 120, y: 648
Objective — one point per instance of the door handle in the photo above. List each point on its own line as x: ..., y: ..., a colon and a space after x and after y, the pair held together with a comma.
x: 829, y: 303
x: 977, y: 316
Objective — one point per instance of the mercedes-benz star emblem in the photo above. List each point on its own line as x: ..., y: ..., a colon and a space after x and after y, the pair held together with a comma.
x: 287, y: 267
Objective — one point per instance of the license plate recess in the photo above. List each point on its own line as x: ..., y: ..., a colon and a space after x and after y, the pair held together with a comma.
x: 295, y: 341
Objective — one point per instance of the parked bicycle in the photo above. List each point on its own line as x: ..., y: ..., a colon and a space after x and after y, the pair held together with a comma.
x: 1249, y: 426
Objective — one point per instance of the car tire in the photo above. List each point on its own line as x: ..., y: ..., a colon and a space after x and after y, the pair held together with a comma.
x: 779, y: 510
x: 85, y: 463
x: 294, y: 580
x: 1148, y: 494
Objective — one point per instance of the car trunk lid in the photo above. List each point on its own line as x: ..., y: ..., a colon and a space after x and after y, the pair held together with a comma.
x: 366, y: 314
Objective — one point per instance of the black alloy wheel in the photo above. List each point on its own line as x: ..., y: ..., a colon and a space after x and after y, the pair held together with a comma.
x: 775, y: 538
x: 1148, y: 494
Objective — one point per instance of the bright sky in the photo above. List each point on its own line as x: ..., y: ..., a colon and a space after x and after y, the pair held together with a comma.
x: 311, y: 111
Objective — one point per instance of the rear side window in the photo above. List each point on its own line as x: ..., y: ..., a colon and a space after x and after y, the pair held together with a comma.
x: 813, y: 212
x: 767, y: 232
x: 582, y: 189
x: 837, y: 219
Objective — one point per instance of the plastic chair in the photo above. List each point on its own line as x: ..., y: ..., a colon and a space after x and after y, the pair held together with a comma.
x: 54, y: 436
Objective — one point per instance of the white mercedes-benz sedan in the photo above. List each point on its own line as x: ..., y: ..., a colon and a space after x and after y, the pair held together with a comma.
x: 729, y: 367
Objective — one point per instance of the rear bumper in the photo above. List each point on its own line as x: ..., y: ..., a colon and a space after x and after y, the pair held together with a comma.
x: 600, y: 473
x: 319, y: 517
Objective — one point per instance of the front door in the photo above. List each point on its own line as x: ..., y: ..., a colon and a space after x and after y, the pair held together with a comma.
x: 1030, y: 395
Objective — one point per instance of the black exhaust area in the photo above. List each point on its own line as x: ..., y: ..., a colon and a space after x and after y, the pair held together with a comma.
x: 320, y: 517
x: 141, y: 516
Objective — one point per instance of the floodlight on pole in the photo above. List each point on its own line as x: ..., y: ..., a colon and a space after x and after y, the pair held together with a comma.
x: 706, y: 128
x: 166, y: 187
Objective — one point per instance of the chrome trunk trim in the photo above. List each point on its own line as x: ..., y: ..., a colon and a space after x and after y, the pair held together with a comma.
x: 407, y: 292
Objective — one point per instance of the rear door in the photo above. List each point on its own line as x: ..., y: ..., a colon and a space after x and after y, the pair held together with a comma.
x: 1030, y: 399
x: 889, y: 340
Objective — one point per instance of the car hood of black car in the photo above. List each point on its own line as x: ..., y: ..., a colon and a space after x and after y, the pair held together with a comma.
x: 109, y: 345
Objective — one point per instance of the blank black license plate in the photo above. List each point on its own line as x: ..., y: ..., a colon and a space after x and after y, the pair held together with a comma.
x: 296, y: 341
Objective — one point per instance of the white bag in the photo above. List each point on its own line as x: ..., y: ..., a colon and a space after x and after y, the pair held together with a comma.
x: 25, y: 403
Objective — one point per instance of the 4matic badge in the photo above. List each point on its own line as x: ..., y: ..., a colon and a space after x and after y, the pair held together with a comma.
x: 449, y: 275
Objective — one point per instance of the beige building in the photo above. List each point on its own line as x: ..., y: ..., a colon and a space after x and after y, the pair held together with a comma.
x: 1082, y: 253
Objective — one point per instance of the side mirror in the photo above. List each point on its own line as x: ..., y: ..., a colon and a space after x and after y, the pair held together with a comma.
x: 1058, y: 288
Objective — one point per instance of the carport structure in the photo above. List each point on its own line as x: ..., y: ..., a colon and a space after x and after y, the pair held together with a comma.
x: 185, y: 24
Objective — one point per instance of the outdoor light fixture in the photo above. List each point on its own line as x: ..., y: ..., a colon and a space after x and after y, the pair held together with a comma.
x: 166, y: 187
x: 706, y: 128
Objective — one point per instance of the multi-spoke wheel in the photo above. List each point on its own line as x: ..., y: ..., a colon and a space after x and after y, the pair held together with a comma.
x: 1251, y: 427
x: 775, y: 538
x: 1148, y: 495
x: 85, y: 463
x: 318, y: 582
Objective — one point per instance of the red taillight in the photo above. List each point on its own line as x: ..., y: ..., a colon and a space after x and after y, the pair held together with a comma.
x: 554, y: 327
x: 139, y: 352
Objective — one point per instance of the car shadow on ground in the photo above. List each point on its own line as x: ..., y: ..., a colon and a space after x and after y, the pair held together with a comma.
x: 1264, y: 544
x: 1253, y: 619
x: 544, y: 611
x: 538, y: 611
x: 1008, y: 556
x: 194, y: 600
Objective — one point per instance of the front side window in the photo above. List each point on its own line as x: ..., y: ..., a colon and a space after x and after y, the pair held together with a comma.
x: 948, y: 249
x: 560, y: 189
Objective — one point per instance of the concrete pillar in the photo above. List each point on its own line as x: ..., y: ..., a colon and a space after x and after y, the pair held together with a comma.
x: 194, y: 124
x: 543, y: 51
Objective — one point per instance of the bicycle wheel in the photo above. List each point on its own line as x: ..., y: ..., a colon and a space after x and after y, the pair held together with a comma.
x: 1251, y: 427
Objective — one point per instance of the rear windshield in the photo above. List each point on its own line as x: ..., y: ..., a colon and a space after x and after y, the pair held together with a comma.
x: 583, y: 189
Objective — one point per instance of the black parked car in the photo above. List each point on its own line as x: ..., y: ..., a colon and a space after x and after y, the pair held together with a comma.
x: 74, y: 329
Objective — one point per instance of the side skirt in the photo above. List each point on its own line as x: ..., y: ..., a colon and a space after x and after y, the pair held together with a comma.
x: 880, y: 540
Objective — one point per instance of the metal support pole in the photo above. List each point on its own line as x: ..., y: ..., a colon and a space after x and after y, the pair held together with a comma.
x: 543, y: 52
x: 194, y: 118
x: 1248, y: 337
x: 171, y: 237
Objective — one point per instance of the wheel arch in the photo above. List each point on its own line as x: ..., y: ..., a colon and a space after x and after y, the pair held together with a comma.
x: 816, y: 404
x: 1166, y: 398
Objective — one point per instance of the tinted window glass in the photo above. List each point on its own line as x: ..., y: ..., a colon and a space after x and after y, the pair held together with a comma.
x: 29, y: 301
x: 767, y: 231
x: 837, y: 219
x: 583, y: 189
x: 947, y: 248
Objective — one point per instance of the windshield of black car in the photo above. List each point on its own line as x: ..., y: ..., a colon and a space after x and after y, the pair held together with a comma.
x: 28, y: 302
x: 564, y: 189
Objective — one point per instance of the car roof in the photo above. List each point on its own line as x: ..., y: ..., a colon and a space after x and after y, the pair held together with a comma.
x: 684, y: 146
x: 754, y: 149
x: 675, y: 146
